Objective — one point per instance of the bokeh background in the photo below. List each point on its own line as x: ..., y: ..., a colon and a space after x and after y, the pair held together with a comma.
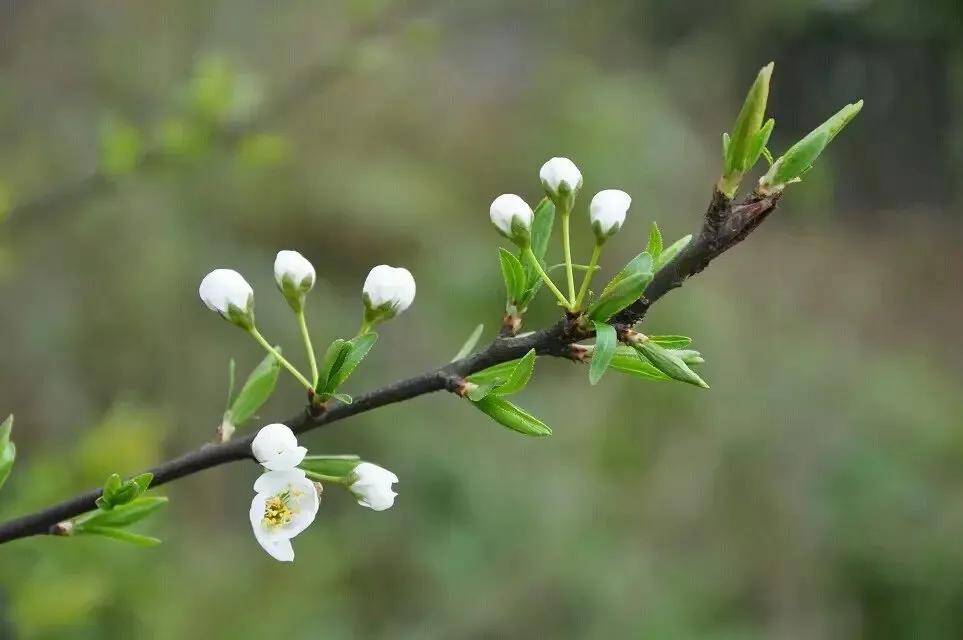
x: 815, y: 492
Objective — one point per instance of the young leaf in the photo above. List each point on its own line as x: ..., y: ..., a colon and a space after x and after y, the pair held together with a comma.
x: 606, y: 342
x: 333, y: 358
x: 671, y: 342
x: 541, y: 235
x: 618, y: 297
x: 672, y: 251
x: 256, y: 390
x: 120, y: 534
x: 626, y: 360
x: 143, y: 482
x: 513, y: 273
x: 509, y: 415
x: 519, y: 376
x: 640, y: 264
x: 231, y: 370
x: 351, y: 358
x: 689, y: 356
x: 470, y: 343
x: 338, y: 466
x: 654, y: 247
x: 123, y: 515
x: 499, y: 372
x: 343, y: 398
x: 669, y: 363
x: 741, y: 145
x: 8, y: 451
x: 483, y: 390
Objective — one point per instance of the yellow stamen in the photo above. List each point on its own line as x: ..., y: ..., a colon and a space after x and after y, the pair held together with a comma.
x: 277, y: 513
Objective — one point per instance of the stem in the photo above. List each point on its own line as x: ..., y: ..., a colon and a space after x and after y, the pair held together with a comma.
x: 320, y: 477
x: 587, y: 278
x: 548, y: 281
x: 284, y: 363
x: 312, y: 361
x: 364, y: 328
x: 567, y: 250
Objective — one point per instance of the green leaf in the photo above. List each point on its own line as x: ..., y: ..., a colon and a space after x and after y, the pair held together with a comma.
x: 800, y: 157
x: 672, y: 251
x: 541, y: 235
x: 482, y: 391
x: 671, y: 342
x: 641, y: 263
x: 343, y: 398
x: 689, y: 356
x: 143, y: 481
x: 606, y: 342
x: 337, y: 466
x: 654, y: 247
x: 351, y: 358
x: 333, y: 358
x: 626, y: 360
x: 618, y: 297
x: 513, y: 273
x: 519, y: 377
x: 123, y: 515
x: 120, y: 534
x: 514, y: 417
x: 8, y: 451
x: 741, y: 144
x: 470, y: 343
x: 669, y: 363
x: 256, y: 390
x: 231, y: 370
x: 759, y: 143
x: 500, y: 372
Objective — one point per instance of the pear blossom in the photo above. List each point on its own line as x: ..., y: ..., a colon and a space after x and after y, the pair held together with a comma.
x: 285, y: 504
x: 294, y: 275
x: 276, y: 448
x: 372, y: 486
x: 226, y: 292
x: 513, y: 218
x: 387, y: 291
x: 560, y: 177
x: 607, y: 212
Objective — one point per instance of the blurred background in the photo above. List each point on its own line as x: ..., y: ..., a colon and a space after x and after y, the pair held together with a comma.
x: 815, y: 492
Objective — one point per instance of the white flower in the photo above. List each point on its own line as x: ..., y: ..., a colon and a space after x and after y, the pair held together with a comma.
x: 513, y: 217
x: 608, y: 210
x: 285, y: 504
x: 276, y: 448
x: 560, y: 176
x: 228, y: 293
x: 387, y: 292
x: 372, y: 486
x: 294, y: 275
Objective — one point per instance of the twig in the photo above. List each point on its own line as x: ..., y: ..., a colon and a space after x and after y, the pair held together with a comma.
x: 723, y: 227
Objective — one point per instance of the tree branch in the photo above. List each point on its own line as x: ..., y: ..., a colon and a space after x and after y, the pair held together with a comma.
x: 723, y: 227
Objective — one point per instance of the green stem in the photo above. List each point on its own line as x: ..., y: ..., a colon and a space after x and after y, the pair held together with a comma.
x: 320, y: 477
x: 548, y: 281
x: 567, y: 250
x: 587, y: 278
x: 364, y: 328
x: 312, y: 360
x: 284, y: 363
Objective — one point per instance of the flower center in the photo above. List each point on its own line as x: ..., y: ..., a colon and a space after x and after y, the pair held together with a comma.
x: 278, y: 511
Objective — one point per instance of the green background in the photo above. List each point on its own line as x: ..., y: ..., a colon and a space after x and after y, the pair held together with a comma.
x: 815, y: 492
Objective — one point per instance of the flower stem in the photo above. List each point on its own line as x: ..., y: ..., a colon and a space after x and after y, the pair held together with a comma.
x: 548, y: 281
x: 320, y: 477
x: 587, y: 278
x: 312, y: 360
x: 567, y: 250
x: 284, y: 363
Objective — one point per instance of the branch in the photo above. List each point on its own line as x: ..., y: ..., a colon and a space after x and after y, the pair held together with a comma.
x: 724, y: 226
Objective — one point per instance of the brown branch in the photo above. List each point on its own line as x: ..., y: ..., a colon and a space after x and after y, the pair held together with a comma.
x: 723, y: 227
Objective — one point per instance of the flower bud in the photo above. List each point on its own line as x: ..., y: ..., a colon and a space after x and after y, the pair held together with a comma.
x: 607, y: 212
x: 295, y: 277
x: 276, y: 448
x: 513, y: 218
x: 228, y: 293
x: 372, y: 486
x: 562, y: 181
x: 387, y: 292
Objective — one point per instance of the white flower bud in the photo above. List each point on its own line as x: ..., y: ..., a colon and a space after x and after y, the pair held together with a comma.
x: 295, y: 276
x: 276, y: 448
x: 228, y: 293
x: 285, y: 505
x: 560, y: 178
x: 372, y: 486
x: 513, y: 218
x: 607, y: 212
x: 387, y: 291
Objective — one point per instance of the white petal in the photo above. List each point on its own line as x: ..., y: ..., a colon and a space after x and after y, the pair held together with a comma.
x: 276, y: 447
x: 392, y: 286
x: 272, y: 482
x: 508, y: 207
x: 609, y: 208
x: 278, y: 549
x: 222, y: 288
x: 559, y: 172
x: 372, y: 488
x: 294, y: 266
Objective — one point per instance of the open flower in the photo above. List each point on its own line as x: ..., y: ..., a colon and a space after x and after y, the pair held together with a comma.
x: 285, y: 504
x: 607, y: 212
x: 276, y: 448
x: 294, y: 275
x: 372, y: 486
x: 560, y: 177
x: 226, y: 292
x: 513, y: 218
x: 387, y: 292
